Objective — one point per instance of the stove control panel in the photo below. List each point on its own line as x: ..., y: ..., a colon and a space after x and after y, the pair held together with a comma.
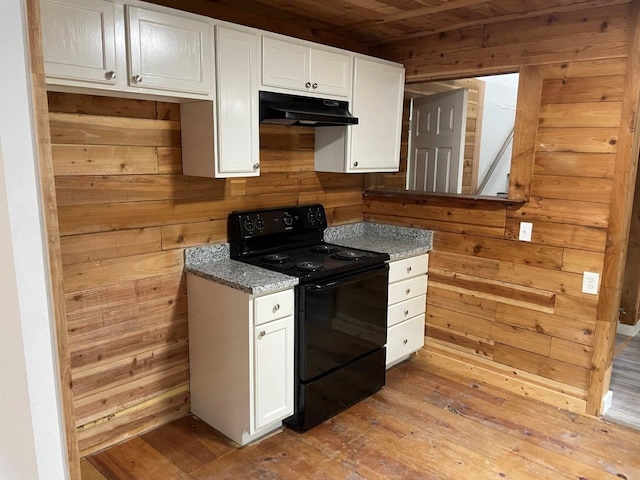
x: 289, y: 220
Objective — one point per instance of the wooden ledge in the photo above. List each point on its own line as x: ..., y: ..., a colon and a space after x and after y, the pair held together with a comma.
x: 437, y: 197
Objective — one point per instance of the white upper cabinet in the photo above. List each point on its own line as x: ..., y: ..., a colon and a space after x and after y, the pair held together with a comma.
x: 220, y: 139
x: 373, y: 145
x: 78, y: 39
x: 237, y: 71
x: 168, y: 52
x: 216, y: 70
x: 299, y: 68
x: 92, y: 44
x: 378, y: 92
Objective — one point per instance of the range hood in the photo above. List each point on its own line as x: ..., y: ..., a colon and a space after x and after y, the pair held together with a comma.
x: 284, y: 109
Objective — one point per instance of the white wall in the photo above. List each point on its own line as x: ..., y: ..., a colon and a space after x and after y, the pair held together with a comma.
x: 498, y: 118
x: 31, y: 438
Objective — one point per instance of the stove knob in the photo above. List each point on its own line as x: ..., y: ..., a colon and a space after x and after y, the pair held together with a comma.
x: 259, y: 223
x: 311, y: 216
x: 287, y: 219
x: 248, y: 224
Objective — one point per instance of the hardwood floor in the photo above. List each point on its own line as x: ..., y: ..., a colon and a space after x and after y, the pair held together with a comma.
x: 625, y: 383
x: 424, y: 424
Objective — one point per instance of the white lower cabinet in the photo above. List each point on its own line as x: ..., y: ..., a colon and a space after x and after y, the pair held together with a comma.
x: 407, y: 304
x: 241, y: 358
x: 273, y: 350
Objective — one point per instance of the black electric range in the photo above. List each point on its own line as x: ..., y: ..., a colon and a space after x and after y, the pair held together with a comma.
x: 341, y: 306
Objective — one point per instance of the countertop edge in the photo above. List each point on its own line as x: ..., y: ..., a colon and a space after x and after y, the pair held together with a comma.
x: 213, y: 261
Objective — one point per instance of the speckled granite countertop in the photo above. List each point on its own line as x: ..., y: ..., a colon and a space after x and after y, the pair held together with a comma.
x: 213, y: 262
x: 399, y: 242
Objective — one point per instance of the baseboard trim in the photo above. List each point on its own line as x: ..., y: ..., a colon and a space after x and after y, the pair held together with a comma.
x: 513, y: 380
x: 607, y: 400
x: 628, y: 330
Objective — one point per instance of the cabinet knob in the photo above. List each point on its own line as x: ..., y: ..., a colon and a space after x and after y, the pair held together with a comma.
x: 256, y: 166
x: 409, y: 269
x: 408, y: 291
x: 406, y: 312
x: 314, y: 86
x: 262, y: 334
x: 110, y: 75
x: 276, y: 307
x: 405, y: 341
x: 307, y: 85
x: 355, y: 164
x: 137, y: 79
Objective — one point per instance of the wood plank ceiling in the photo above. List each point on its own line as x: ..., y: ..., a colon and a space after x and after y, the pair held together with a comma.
x: 363, y: 24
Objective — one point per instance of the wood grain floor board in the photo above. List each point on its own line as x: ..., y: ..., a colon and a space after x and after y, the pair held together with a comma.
x: 625, y: 383
x: 425, y: 424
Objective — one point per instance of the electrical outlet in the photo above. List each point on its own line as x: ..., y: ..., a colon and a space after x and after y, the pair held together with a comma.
x: 590, y: 282
x: 525, y: 231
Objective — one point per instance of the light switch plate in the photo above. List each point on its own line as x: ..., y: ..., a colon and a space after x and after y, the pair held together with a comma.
x: 590, y: 282
x: 525, y: 231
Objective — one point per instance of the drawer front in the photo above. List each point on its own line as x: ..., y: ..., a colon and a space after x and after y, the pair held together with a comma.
x: 401, y: 291
x: 273, y: 306
x: 405, y: 338
x: 407, y: 268
x: 399, y: 312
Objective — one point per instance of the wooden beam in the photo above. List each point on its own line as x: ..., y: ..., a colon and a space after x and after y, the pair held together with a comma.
x: 413, y: 13
x: 501, y: 18
x: 624, y: 178
x: 50, y: 217
x: 630, y: 300
x: 526, y: 128
x: 267, y: 18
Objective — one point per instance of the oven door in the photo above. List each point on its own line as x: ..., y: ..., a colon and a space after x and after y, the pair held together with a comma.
x: 341, y: 320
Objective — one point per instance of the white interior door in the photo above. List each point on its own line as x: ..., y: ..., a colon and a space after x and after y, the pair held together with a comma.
x: 436, y: 142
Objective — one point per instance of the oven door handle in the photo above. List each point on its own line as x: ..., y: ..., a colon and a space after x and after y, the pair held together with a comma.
x: 322, y: 286
x: 350, y: 278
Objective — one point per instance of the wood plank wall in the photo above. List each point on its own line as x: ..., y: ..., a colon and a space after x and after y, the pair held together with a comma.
x: 513, y: 312
x: 126, y: 213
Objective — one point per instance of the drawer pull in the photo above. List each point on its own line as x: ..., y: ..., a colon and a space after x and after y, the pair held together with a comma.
x: 409, y: 269
x: 406, y: 312
x: 408, y: 291
x: 262, y: 334
x: 276, y: 307
x: 405, y: 341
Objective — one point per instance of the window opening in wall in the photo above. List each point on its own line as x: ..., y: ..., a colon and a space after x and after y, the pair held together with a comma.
x: 461, y: 135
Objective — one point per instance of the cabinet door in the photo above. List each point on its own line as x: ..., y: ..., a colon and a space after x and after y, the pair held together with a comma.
x: 273, y: 371
x: 168, y: 52
x: 405, y: 338
x: 330, y: 73
x: 377, y: 102
x: 285, y: 65
x: 78, y: 39
x: 408, y: 267
x: 237, y: 94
